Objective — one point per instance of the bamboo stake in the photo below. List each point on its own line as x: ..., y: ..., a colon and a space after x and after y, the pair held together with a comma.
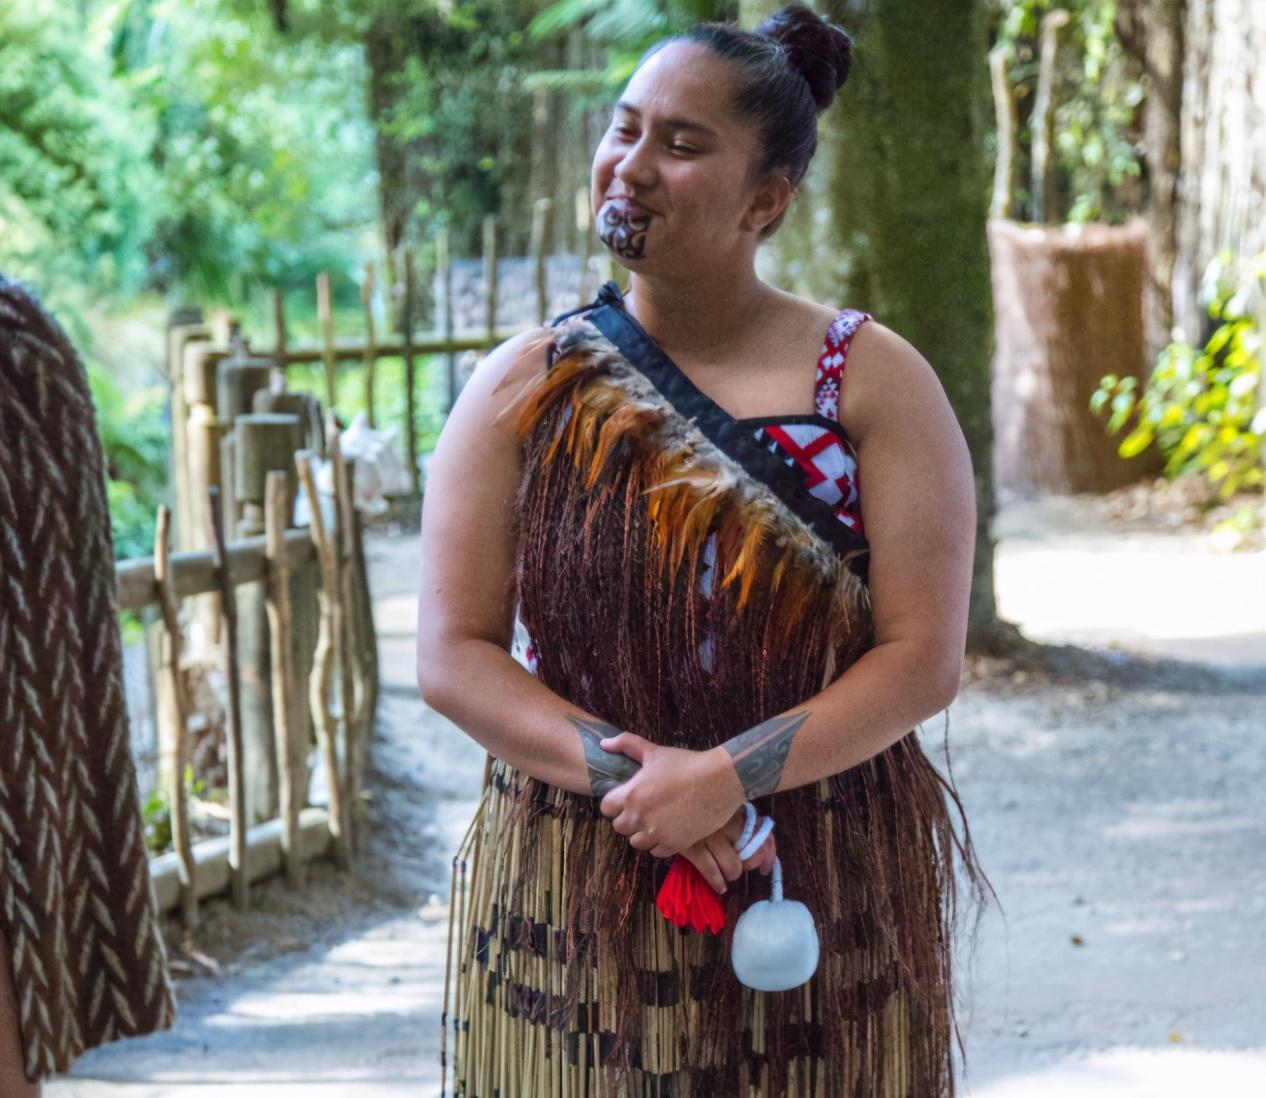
x: 325, y: 312
x: 410, y: 377
x: 371, y: 354
x: 233, y: 676
x: 177, y: 711
x: 277, y: 497
x: 323, y: 663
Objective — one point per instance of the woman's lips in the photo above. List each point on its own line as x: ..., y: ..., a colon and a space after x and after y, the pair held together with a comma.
x: 631, y: 207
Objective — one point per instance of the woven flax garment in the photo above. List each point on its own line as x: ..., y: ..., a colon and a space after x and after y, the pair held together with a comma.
x: 75, y: 901
x: 564, y: 979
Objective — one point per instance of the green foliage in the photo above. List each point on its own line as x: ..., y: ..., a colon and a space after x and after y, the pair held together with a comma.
x: 78, y: 196
x: 1201, y: 407
x: 134, y: 437
x: 178, y: 146
x: 1094, y: 105
x: 156, y: 819
x: 625, y: 29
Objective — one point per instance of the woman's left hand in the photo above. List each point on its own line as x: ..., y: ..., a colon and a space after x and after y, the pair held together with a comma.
x: 677, y: 798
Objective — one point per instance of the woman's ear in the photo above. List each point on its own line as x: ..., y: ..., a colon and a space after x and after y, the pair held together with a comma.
x: 767, y: 203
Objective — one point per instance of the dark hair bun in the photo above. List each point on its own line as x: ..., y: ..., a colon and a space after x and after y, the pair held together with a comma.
x: 820, y: 51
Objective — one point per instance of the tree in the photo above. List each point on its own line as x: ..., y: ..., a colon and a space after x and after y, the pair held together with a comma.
x: 911, y: 187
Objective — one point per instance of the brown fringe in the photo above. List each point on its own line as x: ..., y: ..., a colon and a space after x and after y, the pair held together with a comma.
x: 618, y: 498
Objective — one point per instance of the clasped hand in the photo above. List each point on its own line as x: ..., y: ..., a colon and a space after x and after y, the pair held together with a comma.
x: 683, y: 802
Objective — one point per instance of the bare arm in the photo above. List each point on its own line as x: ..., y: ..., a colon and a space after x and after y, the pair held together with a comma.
x: 466, y: 609
x: 918, y: 500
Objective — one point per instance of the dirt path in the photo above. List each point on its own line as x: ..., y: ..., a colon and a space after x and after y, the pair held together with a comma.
x: 1115, y: 803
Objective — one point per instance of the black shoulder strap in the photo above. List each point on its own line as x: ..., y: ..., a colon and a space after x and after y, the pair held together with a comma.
x: 608, y: 314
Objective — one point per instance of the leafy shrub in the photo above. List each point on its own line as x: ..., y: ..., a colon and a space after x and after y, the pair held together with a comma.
x: 1200, y: 407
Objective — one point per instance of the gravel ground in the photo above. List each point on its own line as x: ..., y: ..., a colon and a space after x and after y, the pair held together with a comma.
x: 1113, y: 792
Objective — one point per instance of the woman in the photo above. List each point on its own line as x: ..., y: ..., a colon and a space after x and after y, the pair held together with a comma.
x: 663, y: 492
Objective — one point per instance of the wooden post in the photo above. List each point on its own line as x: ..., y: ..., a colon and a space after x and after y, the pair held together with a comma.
x: 1042, y: 179
x: 371, y: 354
x: 344, y: 659
x: 325, y: 312
x: 1004, y: 124
x: 323, y: 664
x: 490, y: 278
x: 284, y: 724
x: 278, y: 383
x: 584, y: 229
x: 233, y: 677
x: 263, y: 442
x: 410, y: 377
x: 542, y: 217
x: 174, y: 715
x: 445, y: 272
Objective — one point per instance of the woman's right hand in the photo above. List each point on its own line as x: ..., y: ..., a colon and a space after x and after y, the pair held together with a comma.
x: 715, y: 857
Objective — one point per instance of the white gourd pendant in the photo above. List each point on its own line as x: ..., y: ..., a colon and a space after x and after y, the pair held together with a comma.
x: 775, y: 945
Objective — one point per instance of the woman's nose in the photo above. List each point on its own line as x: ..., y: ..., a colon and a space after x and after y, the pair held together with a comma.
x: 635, y: 168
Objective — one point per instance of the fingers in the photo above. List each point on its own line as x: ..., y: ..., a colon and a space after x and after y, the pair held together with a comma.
x: 705, y: 863
x: 725, y: 856
x: 627, y: 743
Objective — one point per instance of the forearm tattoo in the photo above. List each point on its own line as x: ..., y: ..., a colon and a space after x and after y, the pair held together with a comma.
x: 607, y: 769
x: 621, y: 230
x: 760, y: 753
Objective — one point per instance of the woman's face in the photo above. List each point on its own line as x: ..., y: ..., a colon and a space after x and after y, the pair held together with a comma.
x: 672, y: 187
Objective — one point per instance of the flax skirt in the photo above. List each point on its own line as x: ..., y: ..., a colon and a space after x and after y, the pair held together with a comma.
x: 503, y: 980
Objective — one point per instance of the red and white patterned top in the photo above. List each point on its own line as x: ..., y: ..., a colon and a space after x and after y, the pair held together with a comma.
x: 815, y: 442
x: 827, y: 459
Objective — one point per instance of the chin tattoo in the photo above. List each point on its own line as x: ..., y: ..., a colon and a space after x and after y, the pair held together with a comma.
x: 607, y: 769
x: 760, y: 753
x: 622, y: 232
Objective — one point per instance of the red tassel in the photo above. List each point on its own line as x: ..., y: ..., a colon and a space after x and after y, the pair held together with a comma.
x: 686, y: 899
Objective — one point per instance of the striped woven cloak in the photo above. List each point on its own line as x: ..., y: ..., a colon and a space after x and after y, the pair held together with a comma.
x: 76, y: 907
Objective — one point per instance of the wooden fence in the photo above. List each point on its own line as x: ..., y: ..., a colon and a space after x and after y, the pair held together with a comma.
x: 285, y: 614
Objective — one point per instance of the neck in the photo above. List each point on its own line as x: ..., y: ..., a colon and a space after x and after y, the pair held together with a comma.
x: 699, y: 314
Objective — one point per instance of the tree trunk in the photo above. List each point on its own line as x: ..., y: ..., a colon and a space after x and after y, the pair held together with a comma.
x: 910, y: 197
x: 385, y: 52
x: 1222, y: 187
x: 1151, y: 32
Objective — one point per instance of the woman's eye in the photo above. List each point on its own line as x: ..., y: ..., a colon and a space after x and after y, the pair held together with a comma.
x: 682, y: 149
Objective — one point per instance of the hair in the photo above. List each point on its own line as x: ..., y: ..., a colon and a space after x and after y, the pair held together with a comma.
x: 789, y: 69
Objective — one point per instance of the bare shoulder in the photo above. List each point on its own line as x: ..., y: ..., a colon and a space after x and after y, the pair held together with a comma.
x: 888, y: 382
x: 502, y: 372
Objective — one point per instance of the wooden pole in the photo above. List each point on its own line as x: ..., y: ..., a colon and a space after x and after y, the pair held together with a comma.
x: 175, y: 713
x: 410, y: 376
x: 233, y: 676
x: 1042, y: 179
x: 276, y: 508
x: 1004, y: 123
x: 325, y: 312
x: 444, y: 270
x: 348, y: 690
x: 323, y: 664
x: 279, y: 347
x: 490, y: 278
x: 584, y: 229
x: 542, y: 217
x: 371, y: 355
